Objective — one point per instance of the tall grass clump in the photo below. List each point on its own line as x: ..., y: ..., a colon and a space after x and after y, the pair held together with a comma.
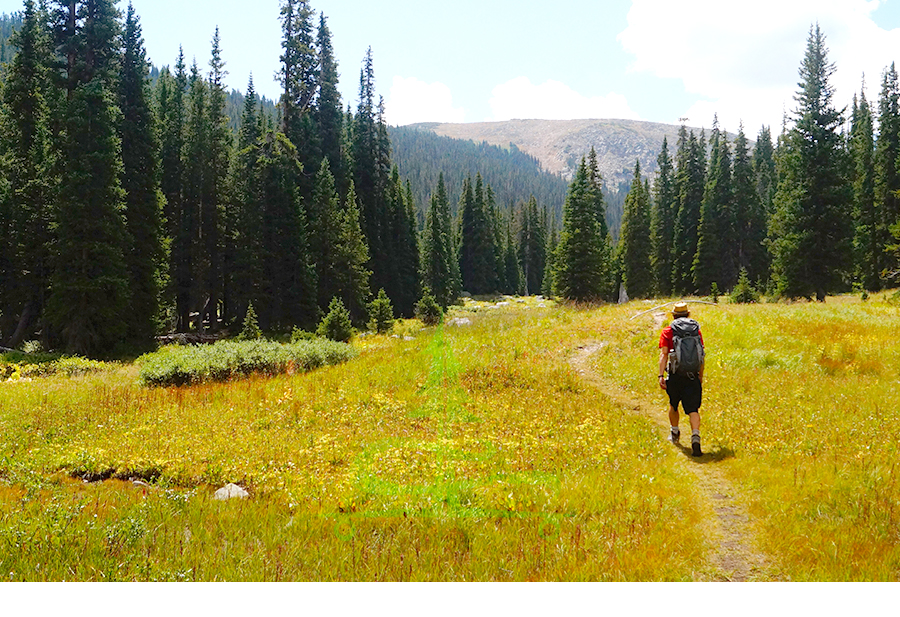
x: 225, y: 360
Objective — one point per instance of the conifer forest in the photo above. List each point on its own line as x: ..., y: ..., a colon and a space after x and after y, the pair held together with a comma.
x: 137, y: 201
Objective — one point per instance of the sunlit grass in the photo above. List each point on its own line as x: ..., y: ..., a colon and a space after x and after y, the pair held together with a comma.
x: 805, y: 397
x: 465, y: 453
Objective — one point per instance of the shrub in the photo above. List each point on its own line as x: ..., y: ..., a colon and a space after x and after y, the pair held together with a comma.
x: 224, y: 360
x: 428, y: 310
x: 714, y: 293
x: 382, y: 314
x: 251, y: 329
x: 20, y: 366
x: 336, y: 324
x: 298, y: 334
x: 743, y: 292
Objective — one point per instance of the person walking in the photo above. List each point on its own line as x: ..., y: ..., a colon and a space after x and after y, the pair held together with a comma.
x: 681, y: 356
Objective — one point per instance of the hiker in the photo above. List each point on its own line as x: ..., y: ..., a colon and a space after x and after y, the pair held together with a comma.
x: 681, y: 355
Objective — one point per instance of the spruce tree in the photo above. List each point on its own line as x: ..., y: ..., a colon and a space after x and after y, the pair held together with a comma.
x: 26, y: 203
x: 579, y: 263
x: 195, y: 168
x: 811, y: 229
x: 595, y: 184
x: 350, y: 259
x: 887, y: 159
x: 764, y: 170
x: 217, y: 159
x: 437, y: 252
x: 329, y: 116
x: 749, y: 214
x: 690, y: 179
x: 867, y: 249
x: 714, y: 259
x: 532, y: 247
x: 289, y: 287
x: 635, y: 239
x: 173, y: 117
x: 140, y: 180
x: 662, y: 223
x: 90, y: 291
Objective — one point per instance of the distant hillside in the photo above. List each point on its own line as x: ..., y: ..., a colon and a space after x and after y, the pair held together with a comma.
x: 560, y: 144
x: 514, y: 175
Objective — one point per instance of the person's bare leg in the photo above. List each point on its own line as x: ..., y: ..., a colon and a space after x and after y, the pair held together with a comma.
x: 673, y: 417
x: 695, y: 420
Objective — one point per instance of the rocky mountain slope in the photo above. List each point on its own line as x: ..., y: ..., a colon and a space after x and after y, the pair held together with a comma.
x: 560, y: 144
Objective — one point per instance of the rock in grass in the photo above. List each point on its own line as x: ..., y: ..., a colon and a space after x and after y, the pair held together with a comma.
x: 460, y: 321
x: 231, y: 491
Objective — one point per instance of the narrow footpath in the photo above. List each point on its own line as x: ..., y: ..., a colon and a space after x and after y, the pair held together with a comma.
x: 735, y: 556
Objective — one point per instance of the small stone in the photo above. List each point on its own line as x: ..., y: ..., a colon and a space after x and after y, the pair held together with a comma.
x: 502, y: 304
x: 542, y: 305
x: 139, y: 483
x: 231, y: 491
x: 460, y: 321
x: 409, y: 338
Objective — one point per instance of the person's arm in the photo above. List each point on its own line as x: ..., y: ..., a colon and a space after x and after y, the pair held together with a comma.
x: 663, y: 360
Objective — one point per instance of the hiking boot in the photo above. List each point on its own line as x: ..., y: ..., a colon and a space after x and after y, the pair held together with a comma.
x: 674, y: 435
x: 695, y: 446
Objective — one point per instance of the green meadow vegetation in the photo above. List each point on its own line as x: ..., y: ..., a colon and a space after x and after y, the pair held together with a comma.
x: 468, y: 452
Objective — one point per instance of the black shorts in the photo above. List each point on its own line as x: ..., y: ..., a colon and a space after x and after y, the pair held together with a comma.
x: 684, y: 390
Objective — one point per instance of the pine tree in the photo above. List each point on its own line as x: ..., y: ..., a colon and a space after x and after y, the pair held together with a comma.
x: 195, y: 168
x: 635, y: 239
x: 140, y: 180
x: 532, y: 247
x: 246, y: 211
x: 213, y: 197
x: 579, y: 263
x: 714, y: 259
x: 26, y: 207
x: 172, y: 114
x: 512, y: 273
x: 549, y: 286
x: 90, y: 292
x: 662, y: 223
x: 477, y: 258
x: 350, y: 260
x: 811, y: 229
x: 437, y: 253
x: 595, y: 184
x: 289, y: 287
x: 887, y: 159
x: 749, y: 214
x: 764, y: 170
x: 328, y: 114
x: 690, y: 179
x: 868, y: 252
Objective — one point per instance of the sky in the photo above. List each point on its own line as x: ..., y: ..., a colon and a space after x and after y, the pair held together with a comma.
x: 490, y: 60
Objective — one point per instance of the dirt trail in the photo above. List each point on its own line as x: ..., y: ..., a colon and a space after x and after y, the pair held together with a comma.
x: 735, y: 557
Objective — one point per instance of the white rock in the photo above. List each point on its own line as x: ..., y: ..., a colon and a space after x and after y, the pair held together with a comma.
x: 502, y: 304
x: 408, y: 338
x: 231, y: 491
x: 460, y: 321
x: 542, y: 305
x: 521, y: 300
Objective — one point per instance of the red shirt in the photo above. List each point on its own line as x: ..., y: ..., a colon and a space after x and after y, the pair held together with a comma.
x: 666, y: 338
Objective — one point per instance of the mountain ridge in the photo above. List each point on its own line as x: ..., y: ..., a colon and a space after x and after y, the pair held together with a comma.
x: 559, y: 144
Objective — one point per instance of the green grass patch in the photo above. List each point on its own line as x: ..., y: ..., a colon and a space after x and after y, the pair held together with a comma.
x: 225, y: 360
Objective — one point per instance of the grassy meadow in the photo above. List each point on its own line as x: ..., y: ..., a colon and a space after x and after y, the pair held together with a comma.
x: 471, y: 452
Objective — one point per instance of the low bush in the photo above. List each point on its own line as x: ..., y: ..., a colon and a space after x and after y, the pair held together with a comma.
x: 743, y: 292
x: 16, y: 365
x: 336, y: 324
x: 225, y: 360
x: 428, y: 310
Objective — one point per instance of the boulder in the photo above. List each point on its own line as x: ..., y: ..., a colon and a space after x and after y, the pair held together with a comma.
x: 460, y: 321
x: 231, y: 491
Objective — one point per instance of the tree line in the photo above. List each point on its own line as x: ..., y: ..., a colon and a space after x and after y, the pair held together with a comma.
x: 133, y: 203
x: 814, y: 213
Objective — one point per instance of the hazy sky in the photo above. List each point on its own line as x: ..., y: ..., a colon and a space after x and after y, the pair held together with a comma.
x: 471, y: 61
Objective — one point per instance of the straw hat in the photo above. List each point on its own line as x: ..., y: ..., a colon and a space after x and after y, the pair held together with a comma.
x: 680, y: 310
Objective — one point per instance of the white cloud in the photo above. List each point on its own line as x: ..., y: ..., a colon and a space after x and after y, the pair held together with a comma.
x: 743, y: 58
x: 553, y: 100
x: 411, y: 101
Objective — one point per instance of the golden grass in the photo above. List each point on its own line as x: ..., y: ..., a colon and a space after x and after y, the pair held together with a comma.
x: 805, y: 397
x: 469, y: 453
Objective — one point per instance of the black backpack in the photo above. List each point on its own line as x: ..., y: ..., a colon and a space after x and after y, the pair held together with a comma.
x: 688, y: 354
